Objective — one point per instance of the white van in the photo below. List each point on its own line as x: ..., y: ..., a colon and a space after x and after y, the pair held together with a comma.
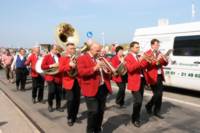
x: 184, y: 62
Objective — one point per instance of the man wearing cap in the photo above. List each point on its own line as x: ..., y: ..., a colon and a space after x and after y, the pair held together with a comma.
x: 37, y: 79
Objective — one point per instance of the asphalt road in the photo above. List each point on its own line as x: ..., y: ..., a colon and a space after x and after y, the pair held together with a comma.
x: 181, y: 112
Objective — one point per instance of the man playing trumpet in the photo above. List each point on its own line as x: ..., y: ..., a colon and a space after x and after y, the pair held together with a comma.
x: 95, y: 85
x: 136, y: 80
x: 155, y: 76
x: 54, y: 81
x: 118, y: 79
x: 70, y: 84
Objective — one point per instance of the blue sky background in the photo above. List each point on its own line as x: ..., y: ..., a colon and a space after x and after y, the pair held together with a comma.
x: 26, y: 22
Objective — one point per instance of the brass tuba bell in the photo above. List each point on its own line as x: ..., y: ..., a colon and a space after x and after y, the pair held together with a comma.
x: 65, y: 33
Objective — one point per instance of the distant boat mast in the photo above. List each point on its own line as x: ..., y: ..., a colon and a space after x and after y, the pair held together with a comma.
x: 193, y: 11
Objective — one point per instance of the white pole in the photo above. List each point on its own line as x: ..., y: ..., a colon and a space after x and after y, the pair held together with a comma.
x: 103, y: 39
x: 193, y: 11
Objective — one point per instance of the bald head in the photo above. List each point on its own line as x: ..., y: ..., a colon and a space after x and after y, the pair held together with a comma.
x: 95, y: 48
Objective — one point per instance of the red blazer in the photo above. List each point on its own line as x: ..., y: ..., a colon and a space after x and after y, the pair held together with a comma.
x: 134, y: 69
x: 32, y: 59
x: 47, y: 61
x: 88, y: 78
x: 64, y: 68
x: 115, y: 62
x: 151, y: 72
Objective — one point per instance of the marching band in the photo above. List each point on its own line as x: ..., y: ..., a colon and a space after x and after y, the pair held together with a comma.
x: 89, y: 74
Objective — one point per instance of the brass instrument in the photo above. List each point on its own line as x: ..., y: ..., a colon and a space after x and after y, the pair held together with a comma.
x: 85, y: 48
x: 106, y: 66
x: 166, y: 55
x: 151, y: 58
x: 73, y: 72
x: 121, y: 69
x: 51, y: 71
x: 64, y: 34
x: 73, y: 58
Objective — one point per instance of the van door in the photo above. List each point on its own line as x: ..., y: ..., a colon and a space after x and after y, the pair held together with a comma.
x: 184, y: 67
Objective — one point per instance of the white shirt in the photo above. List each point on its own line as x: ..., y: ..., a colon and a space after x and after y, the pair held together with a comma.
x: 135, y: 56
x: 100, y: 71
x: 55, y: 57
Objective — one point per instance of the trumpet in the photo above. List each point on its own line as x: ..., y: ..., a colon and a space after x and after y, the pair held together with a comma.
x: 106, y: 66
x: 73, y: 72
x: 151, y: 58
x: 121, y: 70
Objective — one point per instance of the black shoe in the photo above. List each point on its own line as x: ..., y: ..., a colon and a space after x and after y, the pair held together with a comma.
x: 50, y: 109
x: 149, y: 110
x: 98, y: 130
x: 136, y: 123
x: 70, y: 122
x: 33, y: 100
x: 159, y: 116
x: 17, y: 87
x: 60, y: 109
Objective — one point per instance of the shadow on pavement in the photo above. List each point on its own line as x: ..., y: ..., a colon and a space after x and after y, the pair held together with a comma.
x: 3, y: 123
x: 114, y: 122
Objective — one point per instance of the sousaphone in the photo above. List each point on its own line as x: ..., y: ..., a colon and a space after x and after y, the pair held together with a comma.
x: 65, y: 33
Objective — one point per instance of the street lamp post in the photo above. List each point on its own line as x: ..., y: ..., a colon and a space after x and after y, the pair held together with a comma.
x: 103, y: 39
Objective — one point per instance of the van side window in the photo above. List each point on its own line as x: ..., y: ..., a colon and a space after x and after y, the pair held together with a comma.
x: 187, y: 46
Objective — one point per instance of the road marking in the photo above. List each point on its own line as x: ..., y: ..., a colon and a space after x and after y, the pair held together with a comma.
x: 176, y: 100
x: 167, y: 98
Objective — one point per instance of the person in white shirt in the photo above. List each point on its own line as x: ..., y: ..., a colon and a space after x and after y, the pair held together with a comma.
x: 20, y: 69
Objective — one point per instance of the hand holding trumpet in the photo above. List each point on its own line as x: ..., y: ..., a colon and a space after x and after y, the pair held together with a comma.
x: 72, y: 62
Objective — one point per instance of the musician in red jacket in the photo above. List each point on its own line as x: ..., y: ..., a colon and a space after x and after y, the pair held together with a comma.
x: 154, y: 77
x: 119, y: 80
x: 136, y: 80
x: 70, y: 84
x: 54, y: 82
x: 95, y: 85
x: 37, y: 79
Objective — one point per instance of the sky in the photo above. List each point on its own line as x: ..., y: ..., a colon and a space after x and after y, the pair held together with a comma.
x: 23, y: 23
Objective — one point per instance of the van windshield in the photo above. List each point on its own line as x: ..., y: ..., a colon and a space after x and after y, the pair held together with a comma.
x: 187, y: 46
